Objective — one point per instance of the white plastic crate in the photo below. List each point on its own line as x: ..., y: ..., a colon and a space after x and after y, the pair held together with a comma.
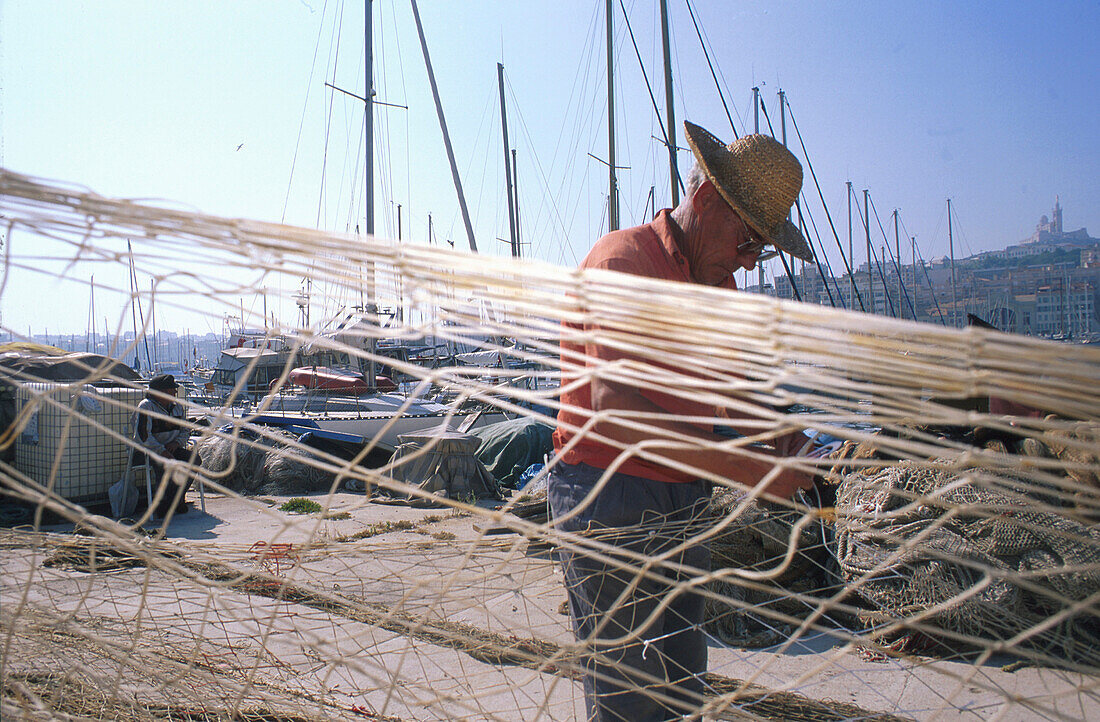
x: 64, y: 444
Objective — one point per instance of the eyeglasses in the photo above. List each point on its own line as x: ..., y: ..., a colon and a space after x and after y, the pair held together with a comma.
x: 757, y: 246
x: 754, y: 244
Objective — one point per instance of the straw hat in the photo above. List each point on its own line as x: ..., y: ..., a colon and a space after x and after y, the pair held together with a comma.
x: 759, y: 178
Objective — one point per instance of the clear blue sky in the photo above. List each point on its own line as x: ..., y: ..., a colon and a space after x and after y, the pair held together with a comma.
x: 993, y: 105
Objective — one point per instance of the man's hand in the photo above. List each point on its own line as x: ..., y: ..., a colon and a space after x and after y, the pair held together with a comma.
x: 791, y: 444
x: 787, y: 483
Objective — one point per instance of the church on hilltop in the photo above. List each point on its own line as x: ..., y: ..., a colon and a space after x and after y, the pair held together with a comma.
x: 1047, y: 227
x: 1049, y: 236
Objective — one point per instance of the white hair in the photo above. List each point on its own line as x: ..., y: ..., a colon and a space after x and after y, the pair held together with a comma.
x: 695, y: 178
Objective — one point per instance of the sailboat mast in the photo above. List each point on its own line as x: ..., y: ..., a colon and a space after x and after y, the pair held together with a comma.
x: 889, y: 308
x: 443, y: 127
x: 368, y: 117
x: 153, y: 322
x: 783, y: 135
x: 897, y: 257
x: 371, y: 306
x: 670, y: 112
x: 870, y: 265
x: 91, y: 319
x: 613, y: 187
x: 756, y: 129
x: 851, y: 271
x: 507, y: 164
x: 515, y: 203
x: 756, y: 109
x: 134, y: 307
x: 916, y: 283
x: 783, y: 117
x: 954, y: 290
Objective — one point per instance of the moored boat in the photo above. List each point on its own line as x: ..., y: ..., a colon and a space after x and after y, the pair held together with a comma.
x: 330, y: 379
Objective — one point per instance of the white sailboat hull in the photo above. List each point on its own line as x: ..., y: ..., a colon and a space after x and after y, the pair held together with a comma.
x: 379, y: 418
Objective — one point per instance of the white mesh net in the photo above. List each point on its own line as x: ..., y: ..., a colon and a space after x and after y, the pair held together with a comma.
x: 946, y: 564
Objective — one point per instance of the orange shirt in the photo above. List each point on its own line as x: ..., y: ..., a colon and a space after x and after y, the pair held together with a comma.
x: 652, y: 250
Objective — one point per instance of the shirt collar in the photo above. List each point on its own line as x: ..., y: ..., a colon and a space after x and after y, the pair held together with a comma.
x: 671, y: 237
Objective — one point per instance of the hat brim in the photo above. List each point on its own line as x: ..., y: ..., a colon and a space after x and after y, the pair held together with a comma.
x: 790, y: 240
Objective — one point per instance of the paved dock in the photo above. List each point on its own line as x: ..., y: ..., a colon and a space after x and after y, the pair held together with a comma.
x: 404, y: 613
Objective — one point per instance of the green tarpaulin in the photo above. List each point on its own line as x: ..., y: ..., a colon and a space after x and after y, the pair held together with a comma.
x: 509, y: 447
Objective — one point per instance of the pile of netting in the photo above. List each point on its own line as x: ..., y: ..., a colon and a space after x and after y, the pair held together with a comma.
x: 953, y: 556
x: 755, y: 537
x: 271, y: 461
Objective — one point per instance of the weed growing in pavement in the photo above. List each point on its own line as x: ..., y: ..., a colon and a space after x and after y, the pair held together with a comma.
x: 381, y: 527
x: 298, y: 505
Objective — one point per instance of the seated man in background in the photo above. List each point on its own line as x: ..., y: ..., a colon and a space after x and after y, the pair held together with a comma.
x: 161, y: 430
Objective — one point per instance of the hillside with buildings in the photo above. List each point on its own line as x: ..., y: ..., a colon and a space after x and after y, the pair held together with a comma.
x: 1045, y: 285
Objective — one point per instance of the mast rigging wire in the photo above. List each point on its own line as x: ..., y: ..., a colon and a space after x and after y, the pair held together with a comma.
x: 334, y: 46
x: 706, y: 54
x: 828, y: 265
x: 927, y: 278
x: 809, y: 240
x: 137, y: 302
x: 790, y: 276
x: 570, y: 135
x: 555, y: 212
x: 881, y: 273
x: 652, y: 99
x: 873, y: 262
x: 782, y: 257
x: 817, y: 261
x: 824, y: 205
x: 302, y: 121
x: 897, y: 267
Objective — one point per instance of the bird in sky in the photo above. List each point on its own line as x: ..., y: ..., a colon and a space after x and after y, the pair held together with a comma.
x: 240, y: 146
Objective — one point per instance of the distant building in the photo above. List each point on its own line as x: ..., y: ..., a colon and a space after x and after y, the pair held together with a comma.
x: 1065, y: 310
x: 1049, y: 236
x: 1051, y: 227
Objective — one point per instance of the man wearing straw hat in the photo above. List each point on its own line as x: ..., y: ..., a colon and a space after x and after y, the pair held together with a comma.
x: 645, y: 645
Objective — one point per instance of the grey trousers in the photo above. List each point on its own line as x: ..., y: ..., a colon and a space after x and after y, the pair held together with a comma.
x: 642, y: 662
x: 174, y: 496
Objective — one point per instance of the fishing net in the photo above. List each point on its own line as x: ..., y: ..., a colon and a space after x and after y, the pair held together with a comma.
x: 945, y: 564
x: 1007, y: 560
x: 251, y: 461
x: 236, y: 463
x: 756, y: 538
x: 442, y: 463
